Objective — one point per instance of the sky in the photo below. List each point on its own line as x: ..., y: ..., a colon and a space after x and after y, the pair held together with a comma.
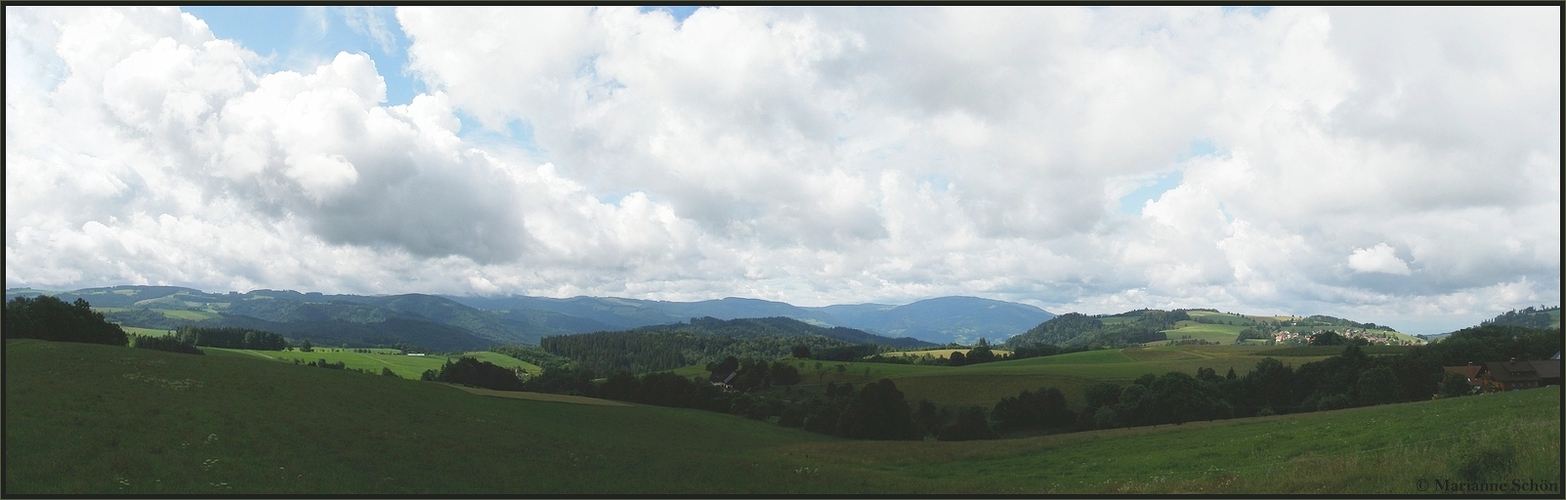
x: 1399, y: 165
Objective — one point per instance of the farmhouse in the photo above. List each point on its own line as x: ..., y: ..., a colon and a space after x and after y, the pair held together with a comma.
x: 722, y: 380
x: 1549, y: 371
x: 1513, y: 375
x: 1471, y: 371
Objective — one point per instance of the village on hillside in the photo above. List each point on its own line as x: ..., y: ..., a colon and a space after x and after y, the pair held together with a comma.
x: 1370, y: 336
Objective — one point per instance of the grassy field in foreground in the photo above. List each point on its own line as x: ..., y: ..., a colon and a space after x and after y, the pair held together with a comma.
x: 83, y: 419
x: 1382, y: 449
x: 86, y: 418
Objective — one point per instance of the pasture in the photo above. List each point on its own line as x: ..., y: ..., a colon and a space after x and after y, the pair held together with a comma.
x: 1373, y: 450
x: 986, y: 383
x: 404, y: 366
x: 939, y: 353
x: 1203, y: 331
x: 1222, y: 318
x: 87, y: 419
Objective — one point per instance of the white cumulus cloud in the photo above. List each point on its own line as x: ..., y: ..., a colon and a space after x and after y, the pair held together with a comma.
x: 813, y: 155
x: 1378, y: 259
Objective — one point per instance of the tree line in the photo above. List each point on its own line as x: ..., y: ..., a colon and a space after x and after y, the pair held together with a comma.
x: 230, y: 338
x: 641, y: 352
x: 49, y: 318
x: 472, y: 372
x: 167, y: 343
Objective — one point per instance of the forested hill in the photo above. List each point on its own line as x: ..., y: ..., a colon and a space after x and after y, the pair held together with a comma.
x: 704, y: 340
x: 781, y: 327
x: 1531, y: 317
x: 1080, y: 330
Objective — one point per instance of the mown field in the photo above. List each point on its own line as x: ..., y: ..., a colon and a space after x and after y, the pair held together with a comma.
x: 89, y: 419
x: 404, y: 366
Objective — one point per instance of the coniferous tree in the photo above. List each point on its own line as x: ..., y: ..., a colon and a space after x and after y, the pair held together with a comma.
x: 49, y: 318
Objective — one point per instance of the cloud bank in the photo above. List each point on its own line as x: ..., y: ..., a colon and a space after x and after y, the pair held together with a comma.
x: 1397, y: 165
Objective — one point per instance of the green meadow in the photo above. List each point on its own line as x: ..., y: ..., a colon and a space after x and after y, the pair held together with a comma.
x: 93, y: 419
x: 986, y: 383
x: 403, y: 365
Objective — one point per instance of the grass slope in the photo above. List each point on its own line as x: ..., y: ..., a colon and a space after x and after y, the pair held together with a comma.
x: 410, y: 367
x: 97, y: 419
x: 85, y: 419
x: 1382, y: 449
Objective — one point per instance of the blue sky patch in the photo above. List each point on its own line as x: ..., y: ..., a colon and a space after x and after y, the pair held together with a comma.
x: 517, y: 132
x: 301, y: 38
x: 937, y: 182
x: 679, y: 12
x: 1198, y: 147
x: 1254, y: 11
x: 1131, y: 204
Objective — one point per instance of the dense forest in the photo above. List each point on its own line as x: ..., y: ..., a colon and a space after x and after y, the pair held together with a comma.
x: 49, y: 318
x: 1080, y: 330
x: 230, y: 338
x: 704, y: 340
x: 472, y: 372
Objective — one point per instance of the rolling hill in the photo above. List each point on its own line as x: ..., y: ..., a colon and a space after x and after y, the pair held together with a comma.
x: 703, y: 340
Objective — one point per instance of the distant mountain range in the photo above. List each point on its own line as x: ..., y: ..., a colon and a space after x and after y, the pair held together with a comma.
x: 452, y: 322
x: 940, y: 320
